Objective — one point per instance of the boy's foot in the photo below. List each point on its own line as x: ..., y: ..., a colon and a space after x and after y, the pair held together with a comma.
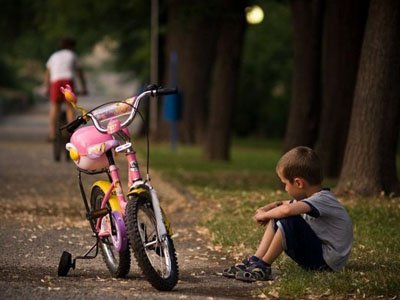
x: 255, y: 272
x: 231, y: 272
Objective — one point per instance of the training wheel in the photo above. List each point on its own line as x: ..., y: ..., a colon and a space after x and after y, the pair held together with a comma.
x: 65, y: 264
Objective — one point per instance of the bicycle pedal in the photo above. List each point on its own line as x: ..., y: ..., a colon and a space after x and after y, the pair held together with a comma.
x: 97, y: 213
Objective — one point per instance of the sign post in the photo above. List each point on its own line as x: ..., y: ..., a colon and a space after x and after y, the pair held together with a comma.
x: 172, y: 103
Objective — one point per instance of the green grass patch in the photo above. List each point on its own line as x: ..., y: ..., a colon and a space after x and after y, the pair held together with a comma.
x: 232, y: 191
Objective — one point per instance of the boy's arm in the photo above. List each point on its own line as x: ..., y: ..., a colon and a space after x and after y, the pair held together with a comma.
x: 272, y: 205
x: 282, y: 211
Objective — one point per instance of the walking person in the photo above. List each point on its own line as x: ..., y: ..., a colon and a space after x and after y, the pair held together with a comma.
x: 61, y: 69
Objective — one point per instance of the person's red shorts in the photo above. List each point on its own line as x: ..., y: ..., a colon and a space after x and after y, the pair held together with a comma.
x: 55, y: 93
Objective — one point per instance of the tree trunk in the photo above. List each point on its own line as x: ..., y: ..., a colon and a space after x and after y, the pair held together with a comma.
x: 305, y: 105
x: 174, y: 42
x: 201, y: 41
x: 192, y: 34
x: 225, y: 79
x: 369, y: 165
x: 344, y: 23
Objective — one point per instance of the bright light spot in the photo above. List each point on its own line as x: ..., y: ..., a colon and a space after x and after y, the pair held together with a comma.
x: 254, y: 14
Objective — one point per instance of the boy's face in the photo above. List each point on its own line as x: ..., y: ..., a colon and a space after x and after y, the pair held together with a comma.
x: 295, y: 188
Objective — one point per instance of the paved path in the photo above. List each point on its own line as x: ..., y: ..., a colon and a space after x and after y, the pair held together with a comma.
x: 42, y: 215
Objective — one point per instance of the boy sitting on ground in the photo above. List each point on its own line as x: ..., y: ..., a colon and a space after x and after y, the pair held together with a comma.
x: 314, y: 229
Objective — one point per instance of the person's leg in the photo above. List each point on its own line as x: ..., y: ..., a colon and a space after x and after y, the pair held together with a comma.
x: 257, y: 257
x: 275, y: 248
x: 266, y: 240
x: 70, y: 112
x: 269, y: 249
x: 53, y: 113
x: 301, y: 243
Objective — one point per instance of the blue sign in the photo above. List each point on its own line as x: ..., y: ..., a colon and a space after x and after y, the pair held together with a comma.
x: 172, y: 107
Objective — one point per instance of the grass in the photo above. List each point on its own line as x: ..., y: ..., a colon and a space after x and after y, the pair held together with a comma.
x: 235, y: 189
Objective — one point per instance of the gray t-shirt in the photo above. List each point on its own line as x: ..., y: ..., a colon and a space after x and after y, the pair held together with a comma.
x: 332, y: 224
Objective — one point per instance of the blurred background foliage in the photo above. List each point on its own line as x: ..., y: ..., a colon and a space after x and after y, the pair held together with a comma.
x: 265, y: 80
x: 31, y: 30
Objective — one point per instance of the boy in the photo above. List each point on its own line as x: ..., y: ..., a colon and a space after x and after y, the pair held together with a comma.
x: 313, y: 229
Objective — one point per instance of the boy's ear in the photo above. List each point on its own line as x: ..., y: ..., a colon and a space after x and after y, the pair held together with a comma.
x: 299, y: 182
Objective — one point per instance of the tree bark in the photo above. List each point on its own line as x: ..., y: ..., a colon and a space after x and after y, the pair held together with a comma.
x: 305, y: 105
x: 369, y: 165
x: 201, y: 41
x: 225, y: 79
x: 192, y: 34
x: 344, y: 23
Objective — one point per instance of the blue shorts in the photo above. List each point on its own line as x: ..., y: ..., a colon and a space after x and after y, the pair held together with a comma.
x: 301, y: 243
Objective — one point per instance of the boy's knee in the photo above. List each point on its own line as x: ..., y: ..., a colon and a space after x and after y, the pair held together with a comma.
x: 287, y: 221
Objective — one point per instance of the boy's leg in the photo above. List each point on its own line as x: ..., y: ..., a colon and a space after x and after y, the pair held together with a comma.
x: 301, y: 243
x: 275, y: 248
x: 261, y: 250
x: 266, y: 240
x: 261, y: 269
x: 269, y: 249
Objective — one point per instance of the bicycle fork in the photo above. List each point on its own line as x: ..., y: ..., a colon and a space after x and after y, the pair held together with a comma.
x: 161, y: 228
x: 135, y: 180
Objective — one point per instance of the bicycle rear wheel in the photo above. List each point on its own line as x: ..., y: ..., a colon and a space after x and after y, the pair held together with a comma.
x: 60, y: 138
x: 156, y: 257
x: 118, y: 263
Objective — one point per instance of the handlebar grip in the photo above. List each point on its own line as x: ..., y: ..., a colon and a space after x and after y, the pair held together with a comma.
x: 166, y: 91
x: 71, y: 127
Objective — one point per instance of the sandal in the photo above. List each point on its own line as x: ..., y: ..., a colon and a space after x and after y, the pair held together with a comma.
x: 254, y: 273
x: 231, y: 271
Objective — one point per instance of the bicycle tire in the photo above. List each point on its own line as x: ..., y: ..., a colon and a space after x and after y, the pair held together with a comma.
x: 57, y: 146
x: 118, y: 263
x: 137, y: 209
x: 59, y: 139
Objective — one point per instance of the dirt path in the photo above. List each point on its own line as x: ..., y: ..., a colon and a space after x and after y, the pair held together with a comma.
x: 42, y: 215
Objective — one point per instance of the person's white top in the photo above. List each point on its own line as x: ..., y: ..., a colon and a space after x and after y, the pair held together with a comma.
x: 62, y: 65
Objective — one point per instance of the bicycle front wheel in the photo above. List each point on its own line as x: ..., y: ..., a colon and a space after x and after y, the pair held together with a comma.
x: 156, y: 257
x: 118, y: 263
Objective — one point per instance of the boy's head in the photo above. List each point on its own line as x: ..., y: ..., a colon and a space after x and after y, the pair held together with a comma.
x: 300, y: 162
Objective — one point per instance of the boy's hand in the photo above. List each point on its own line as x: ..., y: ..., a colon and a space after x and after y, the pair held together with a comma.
x: 260, y: 216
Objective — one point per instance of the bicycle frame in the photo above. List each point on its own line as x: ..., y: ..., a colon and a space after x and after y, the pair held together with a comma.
x: 113, y: 190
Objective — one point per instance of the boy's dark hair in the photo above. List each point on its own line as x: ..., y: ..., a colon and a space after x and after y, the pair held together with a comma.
x: 300, y: 162
x: 67, y: 43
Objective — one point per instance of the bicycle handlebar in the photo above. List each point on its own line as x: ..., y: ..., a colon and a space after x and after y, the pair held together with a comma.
x: 114, y: 110
x: 71, y: 127
x: 166, y: 91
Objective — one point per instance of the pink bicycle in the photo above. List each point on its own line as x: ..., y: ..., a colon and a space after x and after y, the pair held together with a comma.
x: 120, y: 222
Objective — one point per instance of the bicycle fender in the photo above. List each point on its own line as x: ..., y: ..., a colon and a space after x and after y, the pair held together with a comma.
x: 167, y: 223
x: 105, y: 186
x: 140, y: 190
